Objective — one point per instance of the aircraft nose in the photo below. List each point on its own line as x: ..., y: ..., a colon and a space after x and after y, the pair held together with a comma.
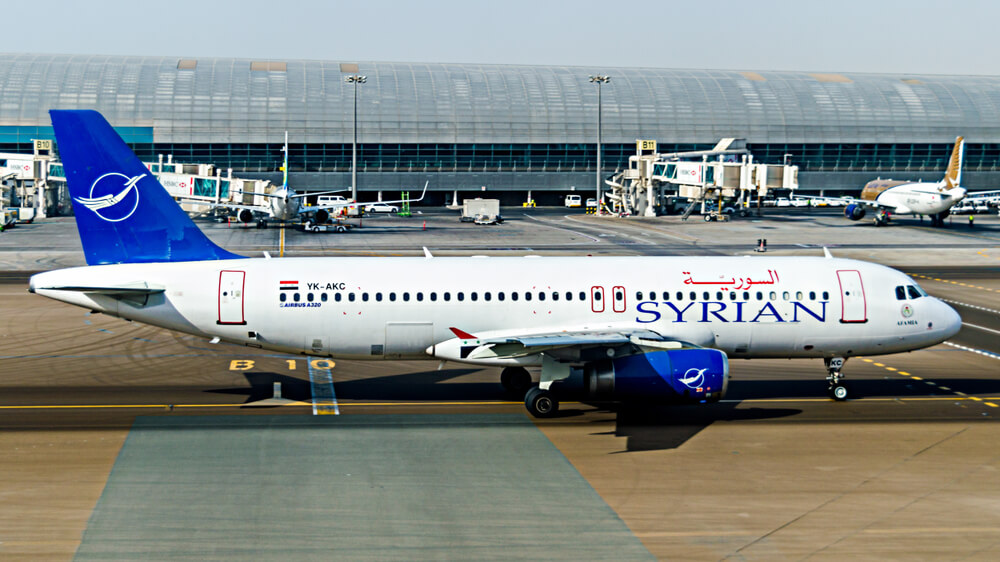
x: 951, y: 322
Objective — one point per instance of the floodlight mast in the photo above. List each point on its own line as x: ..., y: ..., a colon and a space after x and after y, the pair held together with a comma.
x: 599, y: 79
x: 355, y: 79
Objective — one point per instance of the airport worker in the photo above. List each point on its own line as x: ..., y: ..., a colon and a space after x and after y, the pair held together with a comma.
x: 972, y: 219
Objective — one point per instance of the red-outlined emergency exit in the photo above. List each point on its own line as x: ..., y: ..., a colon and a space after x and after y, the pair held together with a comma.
x: 854, y: 307
x: 597, y: 299
x: 231, y: 285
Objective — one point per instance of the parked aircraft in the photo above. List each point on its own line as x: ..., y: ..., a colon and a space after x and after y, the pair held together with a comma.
x: 599, y: 328
x: 285, y: 204
x: 893, y: 197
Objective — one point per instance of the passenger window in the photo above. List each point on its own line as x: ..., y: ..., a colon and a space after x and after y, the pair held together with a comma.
x: 282, y: 297
x: 914, y: 293
x: 746, y: 295
x: 583, y: 296
x: 901, y: 293
x: 527, y: 296
x: 364, y: 297
x: 500, y: 296
x: 732, y: 295
x: 693, y: 296
x: 774, y: 296
x: 474, y: 296
x: 760, y: 296
x: 406, y: 297
x: 322, y: 297
x: 638, y: 296
x: 487, y: 296
x: 785, y: 295
x: 447, y: 296
x: 680, y: 296
x: 309, y: 297
x: 513, y: 296
x: 798, y: 296
x: 350, y: 297
x: 420, y: 297
x: 541, y: 296
x: 619, y: 296
x: 378, y: 297
x: 569, y: 296
x: 826, y: 296
x: 460, y: 296
x: 434, y: 297
x: 336, y: 297
x: 718, y: 296
x: 705, y: 297
x: 555, y: 295
x: 812, y: 295
x: 295, y: 297
x: 666, y: 295
x: 392, y: 297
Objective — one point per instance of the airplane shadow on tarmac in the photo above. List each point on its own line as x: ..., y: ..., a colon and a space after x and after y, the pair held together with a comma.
x: 646, y: 427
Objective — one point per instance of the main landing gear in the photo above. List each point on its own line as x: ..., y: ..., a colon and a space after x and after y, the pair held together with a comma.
x: 838, y: 388
x: 541, y: 403
x: 882, y: 218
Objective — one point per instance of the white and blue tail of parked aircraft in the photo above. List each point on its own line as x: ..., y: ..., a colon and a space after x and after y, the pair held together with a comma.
x: 614, y: 328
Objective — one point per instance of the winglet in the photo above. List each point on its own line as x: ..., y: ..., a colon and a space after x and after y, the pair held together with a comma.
x: 462, y: 335
x: 427, y: 253
x: 826, y: 252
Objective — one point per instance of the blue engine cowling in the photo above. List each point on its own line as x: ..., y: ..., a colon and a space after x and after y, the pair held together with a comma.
x: 689, y: 375
x: 854, y: 212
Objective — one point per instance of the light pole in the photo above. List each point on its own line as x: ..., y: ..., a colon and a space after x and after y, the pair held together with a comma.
x: 355, y: 79
x: 599, y: 80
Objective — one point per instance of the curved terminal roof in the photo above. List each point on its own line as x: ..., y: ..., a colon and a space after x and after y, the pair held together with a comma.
x: 223, y: 100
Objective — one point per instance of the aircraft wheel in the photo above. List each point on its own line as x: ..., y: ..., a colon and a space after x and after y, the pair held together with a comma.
x: 708, y: 218
x: 839, y: 392
x: 515, y: 380
x: 541, y: 403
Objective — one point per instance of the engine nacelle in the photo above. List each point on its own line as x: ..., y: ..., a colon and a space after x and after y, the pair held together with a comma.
x: 322, y: 216
x: 245, y: 216
x: 854, y: 212
x: 687, y: 375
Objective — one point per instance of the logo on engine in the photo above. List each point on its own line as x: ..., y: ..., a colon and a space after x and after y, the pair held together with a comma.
x: 695, y: 380
x: 113, y: 196
x: 906, y: 311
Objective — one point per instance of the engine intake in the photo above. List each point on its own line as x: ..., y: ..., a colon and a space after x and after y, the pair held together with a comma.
x: 692, y: 375
x: 854, y: 212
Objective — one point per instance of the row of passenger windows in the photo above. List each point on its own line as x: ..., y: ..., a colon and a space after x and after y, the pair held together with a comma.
x: 446, y: 296
x: 733, y: 295
x: 541, y: 296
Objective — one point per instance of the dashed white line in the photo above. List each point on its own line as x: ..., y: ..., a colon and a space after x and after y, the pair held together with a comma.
x: 983, y: 328
x: 967, y: 305
x: 973, y: 350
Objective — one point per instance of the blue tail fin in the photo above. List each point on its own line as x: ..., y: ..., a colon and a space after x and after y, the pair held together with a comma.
x: 123, y: 213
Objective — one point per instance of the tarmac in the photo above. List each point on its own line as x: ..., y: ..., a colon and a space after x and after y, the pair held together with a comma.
x: 123, y: 441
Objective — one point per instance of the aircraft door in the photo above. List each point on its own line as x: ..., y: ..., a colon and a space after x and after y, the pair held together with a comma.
x: 231, y: 284
x: 854, y: 308
x: 597, y: 299
x: 618, y: 293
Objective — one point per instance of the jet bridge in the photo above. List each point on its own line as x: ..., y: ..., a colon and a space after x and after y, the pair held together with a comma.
x: 654, y: 181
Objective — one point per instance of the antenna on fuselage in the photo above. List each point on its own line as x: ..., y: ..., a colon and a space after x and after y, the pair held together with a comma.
x: 826, y: 252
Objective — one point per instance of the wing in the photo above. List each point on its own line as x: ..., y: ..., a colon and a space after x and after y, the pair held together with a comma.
x: 848, y: 201
x: 567, y: 345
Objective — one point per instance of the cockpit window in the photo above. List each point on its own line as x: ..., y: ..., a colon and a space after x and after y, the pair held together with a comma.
x: 915, y: 291
x: 901, y: 293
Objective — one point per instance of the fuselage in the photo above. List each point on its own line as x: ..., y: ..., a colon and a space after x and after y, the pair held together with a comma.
x: 392, y: 308
x: 906, y: 197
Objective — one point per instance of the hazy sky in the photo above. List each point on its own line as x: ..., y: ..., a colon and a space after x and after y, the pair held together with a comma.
x: 915, y: 36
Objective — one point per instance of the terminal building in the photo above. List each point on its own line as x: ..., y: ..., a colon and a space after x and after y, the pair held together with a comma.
x: 505, y: 131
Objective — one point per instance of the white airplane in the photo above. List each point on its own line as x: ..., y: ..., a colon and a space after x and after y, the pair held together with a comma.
x: 894, y: 197
x: 599, y: 328
x: 285, y: 204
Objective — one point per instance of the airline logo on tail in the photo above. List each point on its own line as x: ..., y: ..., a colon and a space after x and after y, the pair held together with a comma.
x: 119, y: 200
x: 953, y: 177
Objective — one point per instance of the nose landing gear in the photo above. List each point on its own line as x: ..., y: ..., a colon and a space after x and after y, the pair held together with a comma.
x: 838, y: 388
